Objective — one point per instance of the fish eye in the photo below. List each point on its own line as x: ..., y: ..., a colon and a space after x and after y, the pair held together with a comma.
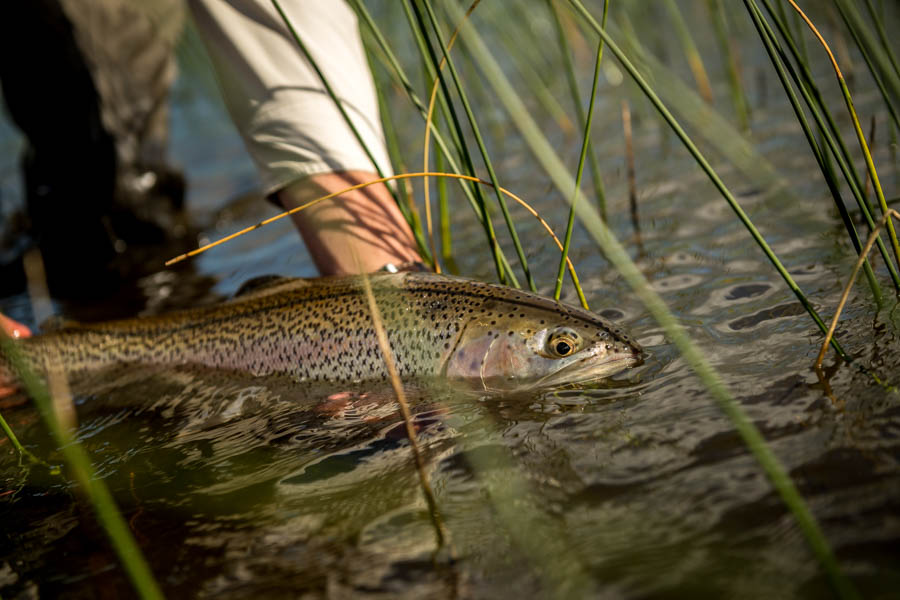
x: 562, y: 343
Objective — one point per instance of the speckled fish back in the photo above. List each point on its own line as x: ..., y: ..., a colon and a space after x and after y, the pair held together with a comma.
x: 317, y: 330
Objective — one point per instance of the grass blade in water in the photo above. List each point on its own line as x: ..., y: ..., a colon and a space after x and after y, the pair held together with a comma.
x: 470, y: 115
x: 769, y: 42
x: 859, y: 133
x: 585, y: 144
x: 620, y: 259
x: 596, y: 177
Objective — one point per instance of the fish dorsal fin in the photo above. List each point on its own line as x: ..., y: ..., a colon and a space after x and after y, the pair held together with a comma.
x: 260, y: 284
x: 57, y: 322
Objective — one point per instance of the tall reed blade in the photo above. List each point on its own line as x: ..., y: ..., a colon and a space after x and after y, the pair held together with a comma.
x: 868, y: 46
x: 707, y: 168
x: 867, y: 49
x: 405, y: 197
x: 732, y: 68
x: 585, y: 144
x: 859, y: 133
x: 695, y: 62
x: 631, y: 175
x: 504, y: 273
x: 596, y: 176
x: 78, y: 461
x: 769, y: 42
x: 828, y: 130
x: 620, y: 259
x: 473, y: 193
x: 7, y: 430
x: 429, y: 118
x: 878, y: 20
x: 435, y: 28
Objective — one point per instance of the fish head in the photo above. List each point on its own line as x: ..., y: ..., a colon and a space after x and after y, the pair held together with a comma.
x: 539, y: 343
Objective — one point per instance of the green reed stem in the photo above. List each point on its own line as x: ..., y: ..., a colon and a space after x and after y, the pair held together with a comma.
x: 444, y: 213
x: 801, y: 57
x: 710, y: 172
x: 798, y: 26
x: 690, y: 50
x: 504, y: 272
x: 736, y: 88
x: 393, y: 147
x: 473, y: 192
x: 770, y: 43
x: 830, y: 133
x: 717, y: 131
x: 895, y: 141
x: 527, y: 68
x: 870, y: 165
x: 520, y: 252
x: 754, y: 440
x: 585, y: 143
x: 877, y: 76
x: 626, y: 267
x: 571, y: 78
x: 400, y: 77
x: 878, y: 20
x: 868, y: 45
x: 94, y: 488
x: 783, y: 15
x: 22, y: 450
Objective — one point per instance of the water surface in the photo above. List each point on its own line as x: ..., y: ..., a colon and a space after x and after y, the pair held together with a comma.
x: 241, y: 487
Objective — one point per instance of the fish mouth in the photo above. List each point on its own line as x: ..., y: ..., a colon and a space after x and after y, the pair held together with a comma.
x: 590, y: 368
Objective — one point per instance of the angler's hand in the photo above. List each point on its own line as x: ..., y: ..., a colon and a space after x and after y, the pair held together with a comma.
x: 13, y: 328
x: 16, y: 330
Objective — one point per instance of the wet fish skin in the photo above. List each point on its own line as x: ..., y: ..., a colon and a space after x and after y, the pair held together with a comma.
x: 321, y: 330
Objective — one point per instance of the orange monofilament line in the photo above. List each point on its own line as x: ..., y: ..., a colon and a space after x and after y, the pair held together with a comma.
x: 232, y: 236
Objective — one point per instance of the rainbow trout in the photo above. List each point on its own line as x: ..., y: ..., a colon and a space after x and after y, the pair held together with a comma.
x: 496, y: 337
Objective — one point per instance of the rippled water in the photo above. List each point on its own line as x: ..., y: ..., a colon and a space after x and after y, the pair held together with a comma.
x: 241, y: 487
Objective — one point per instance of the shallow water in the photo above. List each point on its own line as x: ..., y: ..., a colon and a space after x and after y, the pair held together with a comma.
x: 636, y: 487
